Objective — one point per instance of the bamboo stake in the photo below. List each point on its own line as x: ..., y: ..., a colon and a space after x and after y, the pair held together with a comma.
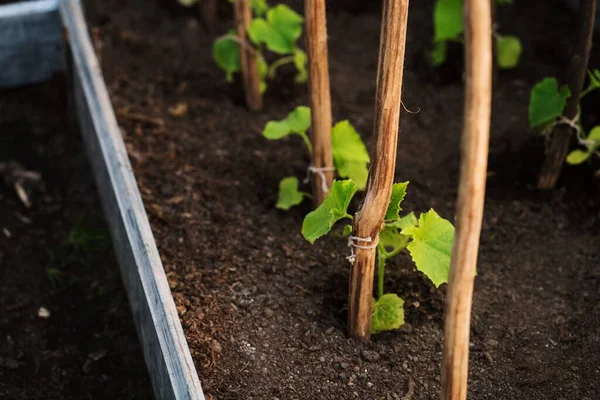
x: 210, y: 14
x: 561, y: 134
x: 243, y: 17
x: 379, y: 187
x: 320, y: 96
x: 471, y: 196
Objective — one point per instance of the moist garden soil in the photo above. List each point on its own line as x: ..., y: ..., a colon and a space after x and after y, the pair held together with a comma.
x: 264, y: 311
x: 66, y: 330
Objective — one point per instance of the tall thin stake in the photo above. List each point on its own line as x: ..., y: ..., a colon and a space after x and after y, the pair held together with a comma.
x: 243, y: 18
x: 561, y: 135
x: 471, y: 196
x: 210, y: 14
x: 320, y: 96
x: 381, y: 177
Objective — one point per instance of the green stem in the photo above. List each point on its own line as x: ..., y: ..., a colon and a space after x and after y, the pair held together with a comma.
x: 306, y: 142
x: 380, y: 271
x: 587, y: 90
x: 310, y: 196
x: 351, y: 217
x: 279, y: 63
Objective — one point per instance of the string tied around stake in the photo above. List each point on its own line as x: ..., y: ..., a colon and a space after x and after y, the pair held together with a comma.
x: 573, y: 124
x: 321, y: 172
x: 352, y: 244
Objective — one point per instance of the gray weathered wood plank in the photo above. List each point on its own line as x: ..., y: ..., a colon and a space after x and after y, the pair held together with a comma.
x: 166, y: 351
x: 30, y: 42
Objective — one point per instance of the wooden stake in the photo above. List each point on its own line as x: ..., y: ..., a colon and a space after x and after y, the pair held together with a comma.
x: 210, y: 15
x: 471, y: 195
x: 369, y: 218
x: 561, y: 134
x: 243, y: 17
x: 320, y: 96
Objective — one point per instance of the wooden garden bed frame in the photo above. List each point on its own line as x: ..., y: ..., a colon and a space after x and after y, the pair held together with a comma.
x: 38, y: 39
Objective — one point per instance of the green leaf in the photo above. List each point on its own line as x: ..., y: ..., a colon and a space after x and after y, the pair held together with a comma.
x: 260, y: 7
x: 447, y: 20
x: 438, y: 53
x: 391, y: 241
x: 263, y: 70
x: 319, y: 222
x: 279, y: 31
x: 576, y: 157
x: 508, y: 50
x: 288, y: 24
x: 300, y: 60
x: 347, y: 230
x: 350, y: 154
x: 595, y: 134
x: 289, y: 195
x: 299, y: 119
x: 226, y: 53
x: 431, y: 246
x: 387, y: 313
x: 547, y: 101
x: 398, y: 193
x: 275, y: 130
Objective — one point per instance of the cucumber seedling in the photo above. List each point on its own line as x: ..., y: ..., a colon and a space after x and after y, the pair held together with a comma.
x: 448, y: 27
x: 275, y: 29
x: 350, y: 155
x: 546, y: 108
x: 429, y: 241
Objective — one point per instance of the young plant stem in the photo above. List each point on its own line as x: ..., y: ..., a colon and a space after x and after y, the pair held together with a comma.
x: 380, y: 272
x: 210, y: 15
x: 561, y: 134
x: 369, y: 218
x: 320, y: 96
x: 278, y: 63
x: 471, y: 194
x: 243, y: 18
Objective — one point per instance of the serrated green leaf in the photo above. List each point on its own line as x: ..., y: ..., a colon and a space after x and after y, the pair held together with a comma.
x: 299, y: 119
x: 387, y: 313
x: 226, y: 53
x: 398, y: 193
x: 576, y: 157
x: 547, y: 101
x: 508, y: 50
x: 288, y: 24
x: 279, y: 31
x: 289, y: 195
x: 259, y: 7
x: 447, y: 20
x: 431, y: 246
x: 438, y: 53
x: 350, y: 154
x: 300, y: 60
x: 320, y: 221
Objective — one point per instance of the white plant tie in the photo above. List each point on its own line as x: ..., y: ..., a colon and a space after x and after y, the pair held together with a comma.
x: 352, y: 244
x: 574, y: 124
x: 321, y: 172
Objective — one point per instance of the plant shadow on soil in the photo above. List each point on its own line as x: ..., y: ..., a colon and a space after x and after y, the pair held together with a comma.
x: 264, y: 312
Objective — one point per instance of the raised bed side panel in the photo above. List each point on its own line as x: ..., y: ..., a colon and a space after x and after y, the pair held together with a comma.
x: 30, y: 42
x: 165, y: 348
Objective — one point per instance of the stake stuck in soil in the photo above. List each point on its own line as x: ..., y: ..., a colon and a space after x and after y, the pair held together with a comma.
x: 471, y: 196
x: 320, y: 96
x: 561, y: 134
x: 243, y: 18
x: 381, y: 175
x: 210, y: 15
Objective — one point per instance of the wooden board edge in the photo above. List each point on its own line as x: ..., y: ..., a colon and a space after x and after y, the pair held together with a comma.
x: 164, y: 346
x: 30, y: 42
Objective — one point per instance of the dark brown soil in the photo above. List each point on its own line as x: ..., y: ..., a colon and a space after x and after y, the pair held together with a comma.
x: 57, y: 255
x: 264, y: 311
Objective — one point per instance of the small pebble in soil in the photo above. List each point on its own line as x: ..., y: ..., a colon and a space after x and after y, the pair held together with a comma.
x: 43, y: 313
x: 370, y: 355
